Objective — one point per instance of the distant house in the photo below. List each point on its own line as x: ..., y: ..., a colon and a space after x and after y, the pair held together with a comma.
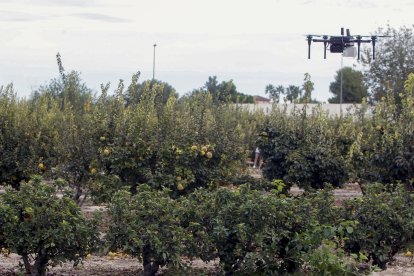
x: 261, y: 100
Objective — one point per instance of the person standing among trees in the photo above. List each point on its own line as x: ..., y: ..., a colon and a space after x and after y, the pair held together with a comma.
x: 257, y: 158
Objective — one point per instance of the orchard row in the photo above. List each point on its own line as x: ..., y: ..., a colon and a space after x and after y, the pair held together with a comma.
x: 248, y: 231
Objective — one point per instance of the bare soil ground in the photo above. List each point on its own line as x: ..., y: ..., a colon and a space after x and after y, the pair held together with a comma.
x: 403, y: 266
x: 99, y: 265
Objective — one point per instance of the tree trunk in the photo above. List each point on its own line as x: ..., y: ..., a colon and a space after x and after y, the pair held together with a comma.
x: 150, y: 268
x: 379, y: 263
x: 40, y: 264
x: 26, y: 263
x: 78, y: 193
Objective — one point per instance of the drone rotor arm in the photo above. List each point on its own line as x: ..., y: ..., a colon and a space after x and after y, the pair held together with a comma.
x: 361, y: 40
x: 320, y: 40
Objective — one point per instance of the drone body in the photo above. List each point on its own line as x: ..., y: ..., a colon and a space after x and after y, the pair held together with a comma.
x: 343, y: 43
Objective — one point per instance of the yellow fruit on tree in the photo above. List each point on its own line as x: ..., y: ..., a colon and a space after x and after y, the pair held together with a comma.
x: 94, y: 171
x: 178, y: 178
x: 408, y: 253
x: 106, y: 152
x: 193, y: 147
x: 180, y: 187
x: 204, y: 148
x: 102, y: 138
x: 209, y: 155
x: 5, y: 252
x: 41, y: 166
x: 202, y: 153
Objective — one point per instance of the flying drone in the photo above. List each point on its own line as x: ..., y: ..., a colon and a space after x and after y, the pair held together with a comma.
x: 343, y: 43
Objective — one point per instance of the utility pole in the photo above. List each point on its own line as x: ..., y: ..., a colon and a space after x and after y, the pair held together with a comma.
x: 153, y: 63
x: 340, y: 93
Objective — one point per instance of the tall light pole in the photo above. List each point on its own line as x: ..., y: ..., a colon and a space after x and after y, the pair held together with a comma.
x: 153, y: 63
x: 340, y: 93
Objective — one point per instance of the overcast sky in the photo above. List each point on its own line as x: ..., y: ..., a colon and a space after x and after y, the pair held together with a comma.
x: 252, y: 42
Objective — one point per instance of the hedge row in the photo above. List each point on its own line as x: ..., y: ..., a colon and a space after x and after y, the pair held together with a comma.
x: 249, y: 231
x: 311, y: 148
x: 98, y: 145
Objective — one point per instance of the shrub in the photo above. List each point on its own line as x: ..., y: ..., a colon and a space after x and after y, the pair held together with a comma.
x: 26, y: 139
x: 147, y: 226
x: 178, y: 145
x: 383, y: 151
x: 385, y: 223
x: 251, y: 232
x: 309, y: 150
x: 43, y: 228
x: 328, y: 259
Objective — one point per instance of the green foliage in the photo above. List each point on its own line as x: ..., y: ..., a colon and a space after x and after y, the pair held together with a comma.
x: 305, y: 149
x: 147, y: 226
x: 135, y: 91
x: 132, y: 137
x: 383, y: 150
x: 252, y: 232
x: 51, y: 134
x: 68, y: 90
x: 330, y: 260
x: 275, y: 92
x: 224, y: 92
x: 293, y: 93
x: 26, y: 137
x: 43, y: 228
x: 308, y: 87
x: 220, y: 92
x: 385, y: 223
x: 353, y: 86
x: 393, y: 63
x: 179, y: 145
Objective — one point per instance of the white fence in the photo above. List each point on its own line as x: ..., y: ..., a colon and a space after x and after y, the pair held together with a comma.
x: 331, y: 109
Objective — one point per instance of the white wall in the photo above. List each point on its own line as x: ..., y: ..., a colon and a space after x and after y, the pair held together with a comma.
x: 331, y: 109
